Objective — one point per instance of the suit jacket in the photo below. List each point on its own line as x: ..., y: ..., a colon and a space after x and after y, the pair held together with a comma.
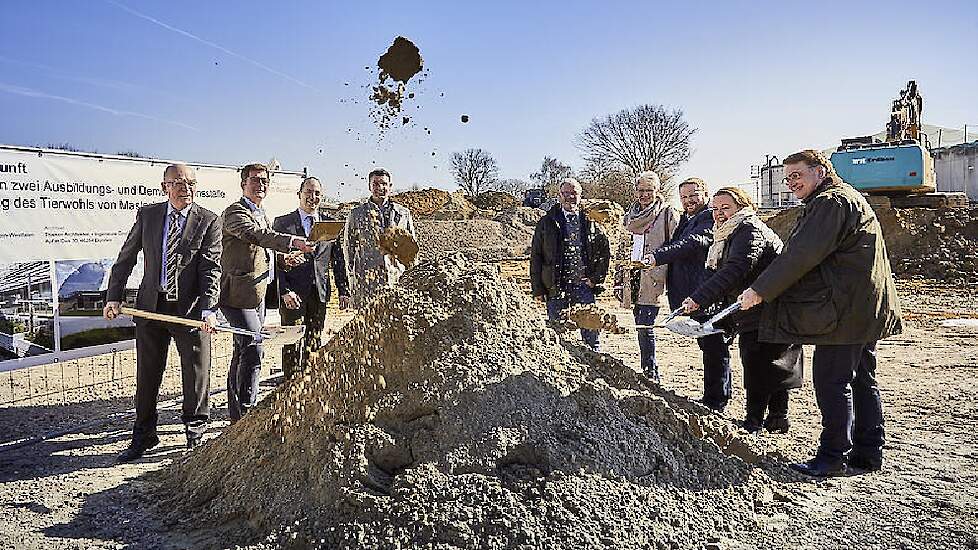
x: 198, y: 270
x: 244, y: 263
x: 313, y: 274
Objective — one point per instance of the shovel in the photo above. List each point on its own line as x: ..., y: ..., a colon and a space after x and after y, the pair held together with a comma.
x: 676, y: 313
x: 694, y: 329
x: 270, y: 335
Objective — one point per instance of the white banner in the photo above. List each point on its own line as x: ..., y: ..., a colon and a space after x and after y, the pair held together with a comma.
x: 63, y: 219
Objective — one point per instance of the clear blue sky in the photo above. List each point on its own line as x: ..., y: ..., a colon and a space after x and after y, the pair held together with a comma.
x: 232, y: 82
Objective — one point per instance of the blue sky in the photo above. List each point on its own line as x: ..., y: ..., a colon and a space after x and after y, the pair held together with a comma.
x: 232, y: 82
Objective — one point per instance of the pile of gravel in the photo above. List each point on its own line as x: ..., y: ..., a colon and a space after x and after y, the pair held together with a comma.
x: 447, y: 415
x: 478, y: 240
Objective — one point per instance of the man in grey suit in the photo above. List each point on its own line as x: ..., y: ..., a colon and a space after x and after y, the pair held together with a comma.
x: 247, y: 264
x: 181, y: 245
x: 305, y: 288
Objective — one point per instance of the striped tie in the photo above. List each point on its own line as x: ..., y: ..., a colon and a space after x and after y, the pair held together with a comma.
x: 172, y: 238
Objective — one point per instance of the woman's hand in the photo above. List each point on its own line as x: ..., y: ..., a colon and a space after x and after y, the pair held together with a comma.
x: 689, y: 305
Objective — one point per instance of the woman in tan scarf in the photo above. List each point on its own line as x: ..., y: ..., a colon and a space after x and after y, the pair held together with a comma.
x: 654, y: 220
x: 742, y: 247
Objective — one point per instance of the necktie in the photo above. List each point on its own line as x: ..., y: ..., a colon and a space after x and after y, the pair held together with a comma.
x: 307, y: 224
x: 172, y: 238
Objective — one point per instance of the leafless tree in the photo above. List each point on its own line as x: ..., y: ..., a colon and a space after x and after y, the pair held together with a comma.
x: 475, y: 170
x: 515, y: 187
x: 604, y: 181
x: 647, y: 137
x: 552, y: 171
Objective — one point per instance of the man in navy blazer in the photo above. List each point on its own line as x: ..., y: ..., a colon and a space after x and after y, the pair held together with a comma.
x: 304, y: 289
x: 181, y: 246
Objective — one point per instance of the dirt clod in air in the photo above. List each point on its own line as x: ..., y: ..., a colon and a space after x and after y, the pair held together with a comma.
x: 397, y: 66
x: 593, y: 317
x: 397, y: 243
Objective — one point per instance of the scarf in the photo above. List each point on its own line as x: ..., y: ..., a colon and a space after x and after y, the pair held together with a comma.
x: 637, y: 220
x: 720, y: 235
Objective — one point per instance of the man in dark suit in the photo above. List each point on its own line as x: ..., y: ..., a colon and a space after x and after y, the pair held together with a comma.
x: 181, y: 245
x: 247, y: 265
x: 305, y: 288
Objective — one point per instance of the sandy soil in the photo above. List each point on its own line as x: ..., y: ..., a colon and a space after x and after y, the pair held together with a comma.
x: 67, y: 492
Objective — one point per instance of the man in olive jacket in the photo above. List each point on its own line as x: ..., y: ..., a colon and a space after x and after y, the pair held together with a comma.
x: 832, y: 287
x: 247, y: 264
x: 569, y: 257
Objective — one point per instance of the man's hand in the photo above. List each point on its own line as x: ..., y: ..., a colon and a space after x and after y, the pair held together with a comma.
x: 749, y: 299
x: 303, y: 245
x: 111, y: 310
x: 588, y: 282
x: 649, y: 260
x: 689, y: 305
x: 344, y: 302
x: 210, y: 322
x: 291, y: 300
x: 293, y: 259
x: 541, y: 298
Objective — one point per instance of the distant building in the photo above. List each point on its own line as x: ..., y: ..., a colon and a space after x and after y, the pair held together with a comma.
x: 772, y: 190
x: 955, y: 169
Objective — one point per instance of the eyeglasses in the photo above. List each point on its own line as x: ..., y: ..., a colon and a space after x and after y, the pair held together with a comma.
x: 794, y: 176
x: 181, y: 183
x: 645, y: 191
x: 256, y: 179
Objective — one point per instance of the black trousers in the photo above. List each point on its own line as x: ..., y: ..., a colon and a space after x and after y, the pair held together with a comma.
x: 312, y: 314
x: 849, y: 400
x: 194, y: 347
x: 716, y: 371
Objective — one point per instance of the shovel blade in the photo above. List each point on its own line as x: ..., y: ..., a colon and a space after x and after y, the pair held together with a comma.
x: 282, y: 335
x: 688, y: 327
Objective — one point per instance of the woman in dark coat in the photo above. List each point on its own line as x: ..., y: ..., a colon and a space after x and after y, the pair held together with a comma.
x: 742, y: 247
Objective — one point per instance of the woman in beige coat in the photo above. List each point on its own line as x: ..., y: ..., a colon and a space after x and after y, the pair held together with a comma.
x: 650, y: 219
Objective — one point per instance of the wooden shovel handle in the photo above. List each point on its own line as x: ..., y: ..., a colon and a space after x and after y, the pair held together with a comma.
x: 161, y: 317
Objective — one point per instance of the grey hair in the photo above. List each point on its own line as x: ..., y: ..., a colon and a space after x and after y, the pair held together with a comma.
x: 572, y: 181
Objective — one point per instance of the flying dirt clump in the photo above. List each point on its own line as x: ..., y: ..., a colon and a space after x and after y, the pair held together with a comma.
x: 447, y: 415
x: 399, y: 64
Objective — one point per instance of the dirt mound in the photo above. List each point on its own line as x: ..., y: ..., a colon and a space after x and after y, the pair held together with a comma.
x: 933, y: 243
x: 494, y: 200
x: 457, y: 207
x: 424, y: 203
x: 520, y: 215
x: 447, y: 415
x: 479, y: 240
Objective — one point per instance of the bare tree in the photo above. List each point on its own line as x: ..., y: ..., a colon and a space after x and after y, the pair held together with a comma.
x: 515, y: 187
x: 475, y: 170
x: 648, y: 137
x: 552, y: 171
x: 604, y: 181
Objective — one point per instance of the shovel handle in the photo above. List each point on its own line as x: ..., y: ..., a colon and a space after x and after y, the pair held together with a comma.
x: 161, y: 317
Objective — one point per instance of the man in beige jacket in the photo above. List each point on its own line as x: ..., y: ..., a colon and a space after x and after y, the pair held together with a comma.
x: 247, y: 264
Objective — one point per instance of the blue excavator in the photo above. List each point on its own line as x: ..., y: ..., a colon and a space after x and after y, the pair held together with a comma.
x: 899, y: 167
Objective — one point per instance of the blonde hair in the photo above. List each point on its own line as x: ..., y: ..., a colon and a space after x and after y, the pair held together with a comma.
x: 648, y: 176
x: 739, y: 196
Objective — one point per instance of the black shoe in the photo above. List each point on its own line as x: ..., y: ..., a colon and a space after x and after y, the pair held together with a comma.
x: 752, y: 425
x: 865, y: 463
x: 818, y: 467
x: 777, y: 425
x: 138, y: 448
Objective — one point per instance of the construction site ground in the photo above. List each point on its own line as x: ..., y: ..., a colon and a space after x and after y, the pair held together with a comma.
x: 68, y: 492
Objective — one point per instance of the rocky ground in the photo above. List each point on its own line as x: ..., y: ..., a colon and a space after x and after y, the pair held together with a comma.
x: 67, y: 492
